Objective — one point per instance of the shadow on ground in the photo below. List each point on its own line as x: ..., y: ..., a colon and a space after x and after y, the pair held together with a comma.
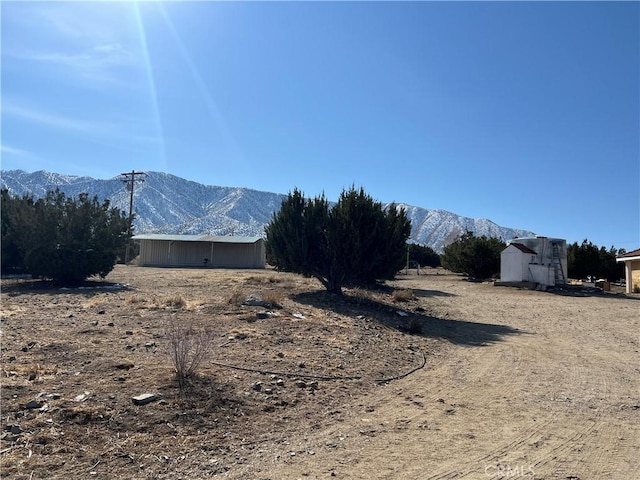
x: 21, y: 286
x: 416, y: 322
x: 585, y: 291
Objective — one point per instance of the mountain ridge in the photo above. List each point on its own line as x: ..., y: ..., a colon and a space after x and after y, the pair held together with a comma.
x: 166, y: 203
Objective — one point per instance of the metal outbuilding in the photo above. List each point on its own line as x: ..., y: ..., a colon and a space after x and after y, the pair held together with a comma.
x: 159, y: 250
x: 539, y: 260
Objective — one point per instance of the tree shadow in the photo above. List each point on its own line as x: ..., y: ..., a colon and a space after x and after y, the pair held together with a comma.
x: 419, y: 292
x: 21, y: 286
x: 414, y: 322
x: 584, y: 291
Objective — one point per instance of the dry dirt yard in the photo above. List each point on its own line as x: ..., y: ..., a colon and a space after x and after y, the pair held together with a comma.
x: 469, y: 380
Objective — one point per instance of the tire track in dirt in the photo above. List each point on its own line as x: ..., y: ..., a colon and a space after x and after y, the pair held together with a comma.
x: 540, y: 402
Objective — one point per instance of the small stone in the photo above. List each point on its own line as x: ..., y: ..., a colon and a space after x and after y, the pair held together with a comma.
x: 101, y: 312
x: 94, y: 323
x: 82, y: 397
x: 34, y: 405
x: 301, y: 384
x: 128, y: 332
x: 15, y: 429
x: 145, y: 398
x: 257, y: 386
x: 280, y: 382
x: 313, y: 385
x: 111, y: 324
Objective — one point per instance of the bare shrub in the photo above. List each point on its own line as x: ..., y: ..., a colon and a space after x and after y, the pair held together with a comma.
x: 413, y: 325
x: 237, y: 297
x: 135, y: 299
x: 403, y: 295
x: 273, y: 297
x: 262, y: 279
x: 189, y: 345
x: 175, y: 301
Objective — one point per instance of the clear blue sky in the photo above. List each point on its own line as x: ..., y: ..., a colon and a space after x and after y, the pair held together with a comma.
x: 524, y: 113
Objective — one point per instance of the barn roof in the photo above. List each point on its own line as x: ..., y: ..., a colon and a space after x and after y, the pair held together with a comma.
x: 523, y: 248
x: 197, y: 238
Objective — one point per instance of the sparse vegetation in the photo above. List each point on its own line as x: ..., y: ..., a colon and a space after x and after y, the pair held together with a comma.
x: 403, y: 295
x: 189, y: 345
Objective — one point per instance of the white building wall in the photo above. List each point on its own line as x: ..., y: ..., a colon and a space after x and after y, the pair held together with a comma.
x: 512, y: 265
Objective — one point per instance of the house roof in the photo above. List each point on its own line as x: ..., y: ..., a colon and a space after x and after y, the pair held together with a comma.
x: 632, y: 255
x: 197, y: 238
x: 523, y: 248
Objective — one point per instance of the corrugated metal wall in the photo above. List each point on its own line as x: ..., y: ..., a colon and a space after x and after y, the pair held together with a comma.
x: 163, y: 253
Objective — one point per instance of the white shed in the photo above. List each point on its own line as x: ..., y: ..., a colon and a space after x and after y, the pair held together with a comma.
x: 540, y: 260
x: 514, y: 262
x: 200, y: 251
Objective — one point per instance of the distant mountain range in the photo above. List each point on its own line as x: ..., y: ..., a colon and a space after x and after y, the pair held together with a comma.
x: 164, y: 203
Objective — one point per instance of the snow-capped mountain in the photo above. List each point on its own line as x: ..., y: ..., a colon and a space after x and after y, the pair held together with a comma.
x: 164, y: 203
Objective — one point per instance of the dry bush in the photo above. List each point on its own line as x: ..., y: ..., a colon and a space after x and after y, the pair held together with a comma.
x: 403, y: 295
x: 134, y: 300
x: 189, y: 345
x: 175, y: 301
x: 237, y: 297
x: 262, y: 279
x: 273, y: 297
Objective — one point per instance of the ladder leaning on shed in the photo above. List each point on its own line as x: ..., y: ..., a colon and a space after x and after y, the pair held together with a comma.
x: 557, y: 264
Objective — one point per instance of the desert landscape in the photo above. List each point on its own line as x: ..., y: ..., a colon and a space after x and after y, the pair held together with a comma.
x: 428, y: 377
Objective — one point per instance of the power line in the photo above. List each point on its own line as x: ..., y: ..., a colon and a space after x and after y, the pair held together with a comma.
x: 130, y: 179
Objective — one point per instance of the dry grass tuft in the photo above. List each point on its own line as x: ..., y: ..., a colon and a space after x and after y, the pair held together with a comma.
x: 135, y: 300
x: 403, y: 295
x: 237, y: 297
x: 174, y: 301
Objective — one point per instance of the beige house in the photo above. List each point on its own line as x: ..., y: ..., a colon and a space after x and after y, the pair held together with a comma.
x: 157, y: 250
x: 632, y: 269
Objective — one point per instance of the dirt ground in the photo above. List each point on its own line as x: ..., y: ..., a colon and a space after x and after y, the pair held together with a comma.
x: 431, y: 377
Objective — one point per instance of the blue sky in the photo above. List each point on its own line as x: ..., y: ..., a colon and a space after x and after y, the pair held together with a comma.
x: 526, y: 113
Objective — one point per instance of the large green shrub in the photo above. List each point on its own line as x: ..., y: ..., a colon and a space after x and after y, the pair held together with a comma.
x: 61, y: 238
x: 354, y: 241
x: 476, y: 257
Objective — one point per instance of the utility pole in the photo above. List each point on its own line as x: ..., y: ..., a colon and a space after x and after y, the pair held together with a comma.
x: 130, y: 179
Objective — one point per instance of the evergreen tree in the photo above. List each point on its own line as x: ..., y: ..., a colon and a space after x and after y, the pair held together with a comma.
x: 65, y: 239
x: 476, y: 257
x: 587, y: 260
x: 423, y: 255
x: 356, y: 241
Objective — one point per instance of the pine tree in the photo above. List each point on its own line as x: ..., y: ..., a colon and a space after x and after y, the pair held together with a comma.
x: 65, y: 239
x: 476, y: 257
x: 356, y: 241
